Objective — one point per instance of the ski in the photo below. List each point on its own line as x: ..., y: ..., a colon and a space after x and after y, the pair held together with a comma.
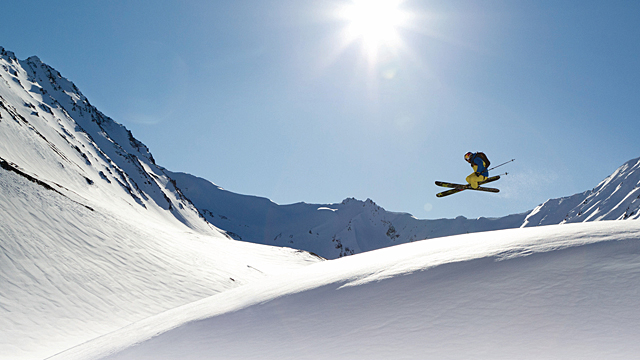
x: 466, y: 187
x: 460, y: 187
x: 448, y: 192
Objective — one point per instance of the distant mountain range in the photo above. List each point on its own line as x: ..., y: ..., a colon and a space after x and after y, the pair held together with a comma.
x: 354, y: 226
x: 79, y: 151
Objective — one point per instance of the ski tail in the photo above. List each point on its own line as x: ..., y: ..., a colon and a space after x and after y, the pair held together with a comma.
x: 448, y: 192
x: 490, y: 179
x: 450, y: 185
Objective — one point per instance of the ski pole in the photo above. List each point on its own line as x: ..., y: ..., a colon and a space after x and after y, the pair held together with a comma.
x: 497, y: 166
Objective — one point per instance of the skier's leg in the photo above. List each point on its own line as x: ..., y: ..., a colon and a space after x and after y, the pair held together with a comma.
x: 474, y: 179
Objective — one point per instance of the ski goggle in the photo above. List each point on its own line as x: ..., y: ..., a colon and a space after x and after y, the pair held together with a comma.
x: 467, y: 156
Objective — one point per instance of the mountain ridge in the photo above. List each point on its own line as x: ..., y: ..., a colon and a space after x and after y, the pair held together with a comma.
x: 106, y: 151
x: 94, y: 235
x: 93, y: 147
x: 336, y: 230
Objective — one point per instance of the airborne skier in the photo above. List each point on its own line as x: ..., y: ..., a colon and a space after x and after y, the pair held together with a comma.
x: 480, y: 164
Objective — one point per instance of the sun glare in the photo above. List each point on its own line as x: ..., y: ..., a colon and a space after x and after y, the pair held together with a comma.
x: 375, y: 23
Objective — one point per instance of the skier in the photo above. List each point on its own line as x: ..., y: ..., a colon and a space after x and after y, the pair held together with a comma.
x: 479, y: 163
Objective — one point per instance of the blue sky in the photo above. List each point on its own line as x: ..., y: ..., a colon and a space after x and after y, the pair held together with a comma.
x: 273, y: 98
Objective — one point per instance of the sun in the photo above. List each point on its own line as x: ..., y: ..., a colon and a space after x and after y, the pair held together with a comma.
x: 375, y: 23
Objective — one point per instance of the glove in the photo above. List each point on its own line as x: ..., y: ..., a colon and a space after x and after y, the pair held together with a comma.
x: 476, y: 173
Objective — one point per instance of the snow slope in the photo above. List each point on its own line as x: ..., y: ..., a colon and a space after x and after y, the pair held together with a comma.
x: 69, y: 274
x: 549, y: 292
x: 93, y: 234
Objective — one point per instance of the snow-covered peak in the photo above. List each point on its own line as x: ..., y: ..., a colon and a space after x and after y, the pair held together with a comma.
x: 52, y: 133
x: 616, y: 198
x: 93, y: 234
x: 7, y: 55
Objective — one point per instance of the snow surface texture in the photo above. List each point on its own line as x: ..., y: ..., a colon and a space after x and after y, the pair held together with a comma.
x: 94, y: 235
x: 549, y: 292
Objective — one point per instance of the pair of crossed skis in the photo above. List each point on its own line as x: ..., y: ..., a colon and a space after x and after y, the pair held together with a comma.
x: 459, y: 187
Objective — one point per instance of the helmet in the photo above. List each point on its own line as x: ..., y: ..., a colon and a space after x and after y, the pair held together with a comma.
x: 467, y: 156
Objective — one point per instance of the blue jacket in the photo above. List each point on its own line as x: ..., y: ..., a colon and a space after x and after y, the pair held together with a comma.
x: 480, y: 169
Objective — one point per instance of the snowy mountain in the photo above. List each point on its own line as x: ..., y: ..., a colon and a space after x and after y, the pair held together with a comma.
x: 616, y: 198
x: 354, y: 226
x: 52, y: 133
x: 106, y: 153
x: 95, y: 237
x: 93, y: 234
x: 329, y: 230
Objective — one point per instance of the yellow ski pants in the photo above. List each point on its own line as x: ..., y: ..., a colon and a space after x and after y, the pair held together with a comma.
x: 474, y: 179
